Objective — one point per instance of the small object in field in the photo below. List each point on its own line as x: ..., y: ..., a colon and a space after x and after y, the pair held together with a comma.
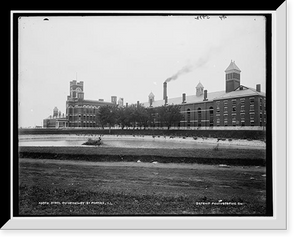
x: 220, y: 200
x: 138, y: 161
x: 252, y: 178
x: 93, y: 142
x: 223, y: 165
x: 154, y: 162
x: 216, y: 148
x: 264, y: 175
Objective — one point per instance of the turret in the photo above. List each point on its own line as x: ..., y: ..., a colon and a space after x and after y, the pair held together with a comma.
x: 232, y: 77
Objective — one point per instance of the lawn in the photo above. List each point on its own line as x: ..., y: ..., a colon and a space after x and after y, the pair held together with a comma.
x: 75, y: 187
x: 200, y: 156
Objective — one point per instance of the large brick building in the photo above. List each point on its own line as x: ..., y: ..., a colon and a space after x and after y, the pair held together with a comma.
x: 237, y: 105
x: 81, y: 112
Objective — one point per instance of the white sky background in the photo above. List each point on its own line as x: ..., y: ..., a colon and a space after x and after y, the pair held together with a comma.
x: 130, y: 56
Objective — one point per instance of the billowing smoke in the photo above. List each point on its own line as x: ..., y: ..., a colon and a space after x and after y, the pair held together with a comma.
x: 187, y: 69
x: 191, y: 67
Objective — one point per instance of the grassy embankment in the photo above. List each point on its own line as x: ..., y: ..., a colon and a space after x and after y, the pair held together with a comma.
x: 56, y: 187
x: 100, y: 154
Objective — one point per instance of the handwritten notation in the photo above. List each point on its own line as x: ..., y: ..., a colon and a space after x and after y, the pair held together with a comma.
x: 201, y: 17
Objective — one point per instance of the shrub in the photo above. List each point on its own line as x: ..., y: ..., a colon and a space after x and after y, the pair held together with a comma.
x: 93, y: 142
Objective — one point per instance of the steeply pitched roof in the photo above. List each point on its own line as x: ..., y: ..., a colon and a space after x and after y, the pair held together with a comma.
x: 232, y: 66
x: 199, y: 85
x: 151, y: 95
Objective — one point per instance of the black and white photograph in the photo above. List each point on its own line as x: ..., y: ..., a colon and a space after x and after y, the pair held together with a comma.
x: 143, y: 115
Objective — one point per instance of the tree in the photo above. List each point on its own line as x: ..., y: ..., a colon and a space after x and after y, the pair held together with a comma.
x: 106, y: 116
x: 123, y: 116
x: 169, y: 115
x: 141, y: 116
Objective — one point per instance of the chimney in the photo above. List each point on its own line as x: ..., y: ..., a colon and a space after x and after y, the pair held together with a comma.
x: 166, y: 100
x: 165, y: 91
x: 126, y: 104
x: 137, y: 103
x: 258, y: 87
x: 183, y: 98
x: 205, y: 95
x: 114, y: 99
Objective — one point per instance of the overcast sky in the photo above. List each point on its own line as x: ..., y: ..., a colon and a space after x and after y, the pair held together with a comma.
x: 131, y: 56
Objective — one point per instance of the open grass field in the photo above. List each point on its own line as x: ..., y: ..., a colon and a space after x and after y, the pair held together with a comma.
x: 199, y: 156
x: 74, y: 187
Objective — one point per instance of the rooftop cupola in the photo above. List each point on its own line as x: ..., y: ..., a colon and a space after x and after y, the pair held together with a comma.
x: 199, y: 89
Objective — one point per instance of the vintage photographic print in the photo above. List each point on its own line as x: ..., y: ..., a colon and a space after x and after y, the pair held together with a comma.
x: 144, y: 115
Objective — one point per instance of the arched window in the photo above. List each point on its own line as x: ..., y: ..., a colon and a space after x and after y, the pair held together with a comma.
x: 199, y: 116
x: 188, y: 117
x: 211, y: 116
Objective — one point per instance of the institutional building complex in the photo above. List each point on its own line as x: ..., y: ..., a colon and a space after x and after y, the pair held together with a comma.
x: 237, y: 105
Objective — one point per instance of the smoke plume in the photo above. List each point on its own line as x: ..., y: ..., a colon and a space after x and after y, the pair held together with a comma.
x: 191, y: 67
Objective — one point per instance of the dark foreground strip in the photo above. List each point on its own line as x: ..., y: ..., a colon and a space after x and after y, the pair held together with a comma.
x: 144, y: 158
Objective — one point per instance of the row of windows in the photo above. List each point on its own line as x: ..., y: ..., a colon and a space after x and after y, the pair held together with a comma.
x: 84, y: 117
x: 242, y: 105
x: 85, y: 110
x: 235, y: 122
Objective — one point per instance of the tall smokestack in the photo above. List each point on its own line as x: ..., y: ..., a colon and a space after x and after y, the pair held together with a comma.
x: 165, y: 91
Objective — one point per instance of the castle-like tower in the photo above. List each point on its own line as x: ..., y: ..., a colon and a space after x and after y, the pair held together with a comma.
x: 232, y: 77
x: 76, y: 90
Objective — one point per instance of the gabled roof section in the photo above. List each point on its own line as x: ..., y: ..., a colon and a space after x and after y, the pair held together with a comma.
x: 151, y: 95
x: 240, y: 91
x: 232, y: 66
x: 199, y: 85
